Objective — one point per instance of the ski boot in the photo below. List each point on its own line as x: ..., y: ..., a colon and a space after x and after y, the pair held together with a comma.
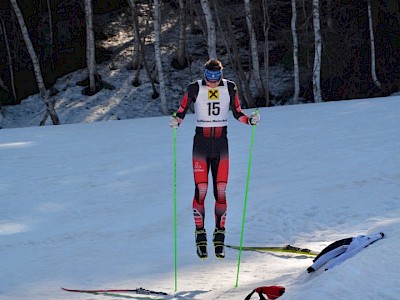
x: 201, y: 243
x: 219, y: 242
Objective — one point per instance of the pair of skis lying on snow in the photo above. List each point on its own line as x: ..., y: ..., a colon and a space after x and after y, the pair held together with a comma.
x: 155, y: 294
x: 332, y: 255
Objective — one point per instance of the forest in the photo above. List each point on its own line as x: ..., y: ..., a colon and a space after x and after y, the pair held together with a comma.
x: 332, y: 49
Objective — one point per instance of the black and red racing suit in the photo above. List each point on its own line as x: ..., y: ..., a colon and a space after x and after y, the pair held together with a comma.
x: 210, y: 145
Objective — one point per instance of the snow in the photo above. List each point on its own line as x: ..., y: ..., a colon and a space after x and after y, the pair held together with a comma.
x: 91, y: 205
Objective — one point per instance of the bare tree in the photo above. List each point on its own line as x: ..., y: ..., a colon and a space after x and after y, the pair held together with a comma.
x: 136, y: 60
x: 267, y: 26
x: 296, y: 76
x: 180, y: 61
x: 329, y: 14
x: 3, y: 85
x: 191, y: 7
x: 51, y: 33
x: 157, y: 49
x: 372, y: 43
x: 90, y: 46
x: 317, y: 52
x: 10, y: 62
x: 36, y: 66
x: 254, y: 50
x: 211, y: 32
x: 140, y: 48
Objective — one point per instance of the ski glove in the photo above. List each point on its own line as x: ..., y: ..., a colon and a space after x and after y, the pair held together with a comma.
x: 174, y: 122
x: 254, y: 118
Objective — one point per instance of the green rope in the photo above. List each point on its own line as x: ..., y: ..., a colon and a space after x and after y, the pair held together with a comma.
x: 245, y: 200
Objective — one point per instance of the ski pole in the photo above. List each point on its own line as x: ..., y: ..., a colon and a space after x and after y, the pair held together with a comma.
x: 175, y: 218
x: 253, y: 129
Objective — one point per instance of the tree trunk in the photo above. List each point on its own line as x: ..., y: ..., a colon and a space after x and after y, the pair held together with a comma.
x: 36, y: 65
x: 3, y: 85
x: 254, y: 50
x: 181, y: 52
x: 329, y: 21
x: 141, y: 49
x: 136, y: 44
x: 317, y: 54
x: 157, y: 49
x: 10, y: 62
x: 90, y: 46
x: 372, y: 42
x: 51, y: 34
x: 296, y: 77
x: 211, y: 32
x: 267, y: 26
x: 190, y: 5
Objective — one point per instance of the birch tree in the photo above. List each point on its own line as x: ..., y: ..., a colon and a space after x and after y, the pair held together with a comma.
x: 157, y: 49
x: 90, y: 46
x: 317, y: 53
x: 211, y: 32
x: 372, y: 46
x: 296, y: 76
x: 36, y: 66
x: 254, y: 49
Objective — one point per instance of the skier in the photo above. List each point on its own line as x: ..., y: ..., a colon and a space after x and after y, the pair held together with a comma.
x: 212, y: 97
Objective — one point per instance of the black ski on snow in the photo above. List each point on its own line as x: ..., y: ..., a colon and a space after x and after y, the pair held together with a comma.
x: 287, y: 249
x: 140, y: 291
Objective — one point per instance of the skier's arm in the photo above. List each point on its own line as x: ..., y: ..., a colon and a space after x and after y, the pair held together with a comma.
x: 235, y: 106
x: 188, y: 98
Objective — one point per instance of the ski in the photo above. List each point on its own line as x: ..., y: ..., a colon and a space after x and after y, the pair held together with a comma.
x: 287, y: 249
x: 140, y: 291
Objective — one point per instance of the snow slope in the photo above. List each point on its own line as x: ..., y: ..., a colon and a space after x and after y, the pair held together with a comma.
x: 91, y: 205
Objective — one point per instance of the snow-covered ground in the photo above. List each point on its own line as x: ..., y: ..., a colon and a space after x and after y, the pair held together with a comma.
x: 91, y: 205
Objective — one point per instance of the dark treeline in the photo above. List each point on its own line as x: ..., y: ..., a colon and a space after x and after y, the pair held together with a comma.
x: 57, y: 30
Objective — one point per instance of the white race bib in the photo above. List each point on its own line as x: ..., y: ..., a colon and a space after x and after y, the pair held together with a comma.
x: 212, y: 105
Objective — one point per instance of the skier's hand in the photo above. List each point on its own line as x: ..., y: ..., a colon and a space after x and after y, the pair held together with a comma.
x: 254, y: 118
x: 174, y: 122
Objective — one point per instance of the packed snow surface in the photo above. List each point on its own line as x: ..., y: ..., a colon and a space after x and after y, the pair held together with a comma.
x: 92, y: 205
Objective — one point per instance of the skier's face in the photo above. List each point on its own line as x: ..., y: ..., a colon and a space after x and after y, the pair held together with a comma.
x: 212, y: 77
x: 213, y: 84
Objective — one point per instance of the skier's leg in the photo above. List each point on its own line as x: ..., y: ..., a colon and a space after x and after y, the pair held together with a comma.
x: 220, y: 170
x: 200, y: 172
